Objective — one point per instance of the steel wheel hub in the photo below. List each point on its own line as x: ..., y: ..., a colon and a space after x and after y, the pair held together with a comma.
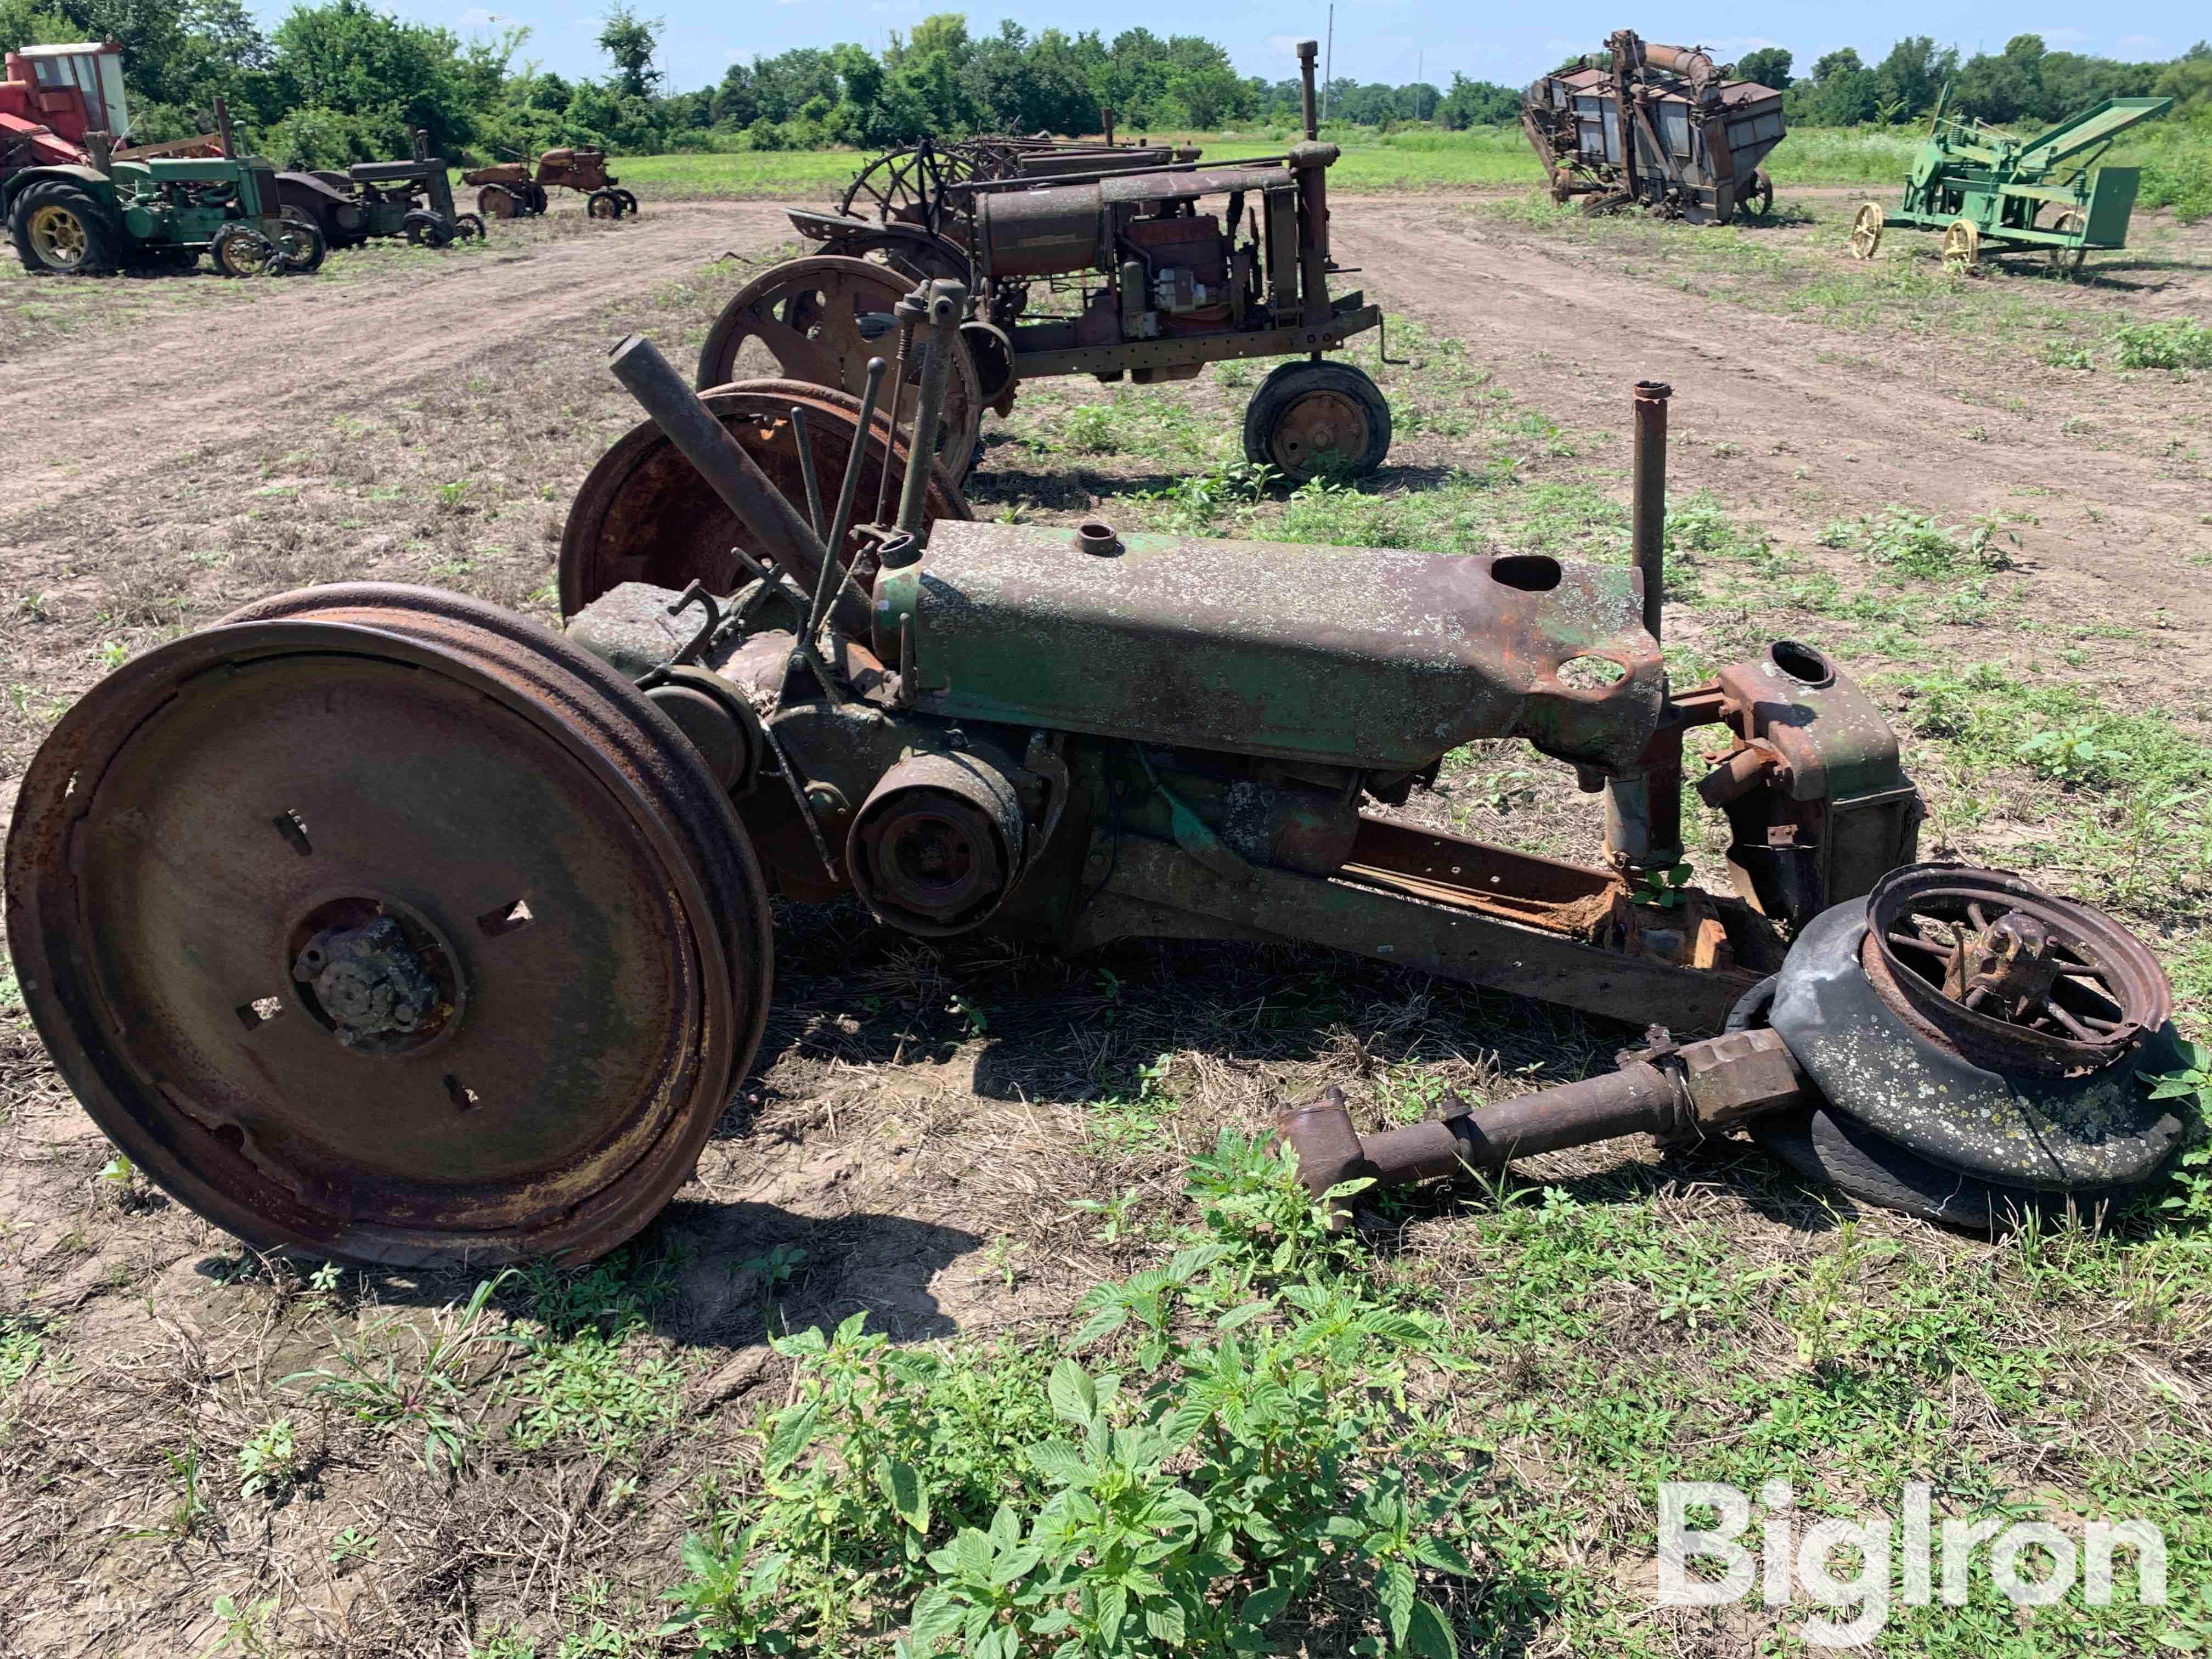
x: 367, y: 929
x: 1320, y: 423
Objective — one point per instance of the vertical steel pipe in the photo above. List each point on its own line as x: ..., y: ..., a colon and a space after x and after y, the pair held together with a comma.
x: 946, y: 304
x: 1651, y: 521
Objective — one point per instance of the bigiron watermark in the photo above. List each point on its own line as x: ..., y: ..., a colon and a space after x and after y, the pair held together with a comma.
x: 1791, y: 1560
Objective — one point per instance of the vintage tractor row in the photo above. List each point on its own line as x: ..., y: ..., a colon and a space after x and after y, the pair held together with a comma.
x: 1985, y: 189
x: 77, y: 205
x: 517, y: 189
x: 412, y: 198
x: 1663, y: 129
x: 1156, y: 283
x: 381, y: 923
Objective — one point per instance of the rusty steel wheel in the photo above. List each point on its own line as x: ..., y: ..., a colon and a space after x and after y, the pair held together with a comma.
x: 603, y: 204
x: 1866, y: 230
x: 905, y: 186
x: 382, y: 924
x: 494, y: 202
x: 644, y: 514
x: 821, y: 319
x: 1309, y: 419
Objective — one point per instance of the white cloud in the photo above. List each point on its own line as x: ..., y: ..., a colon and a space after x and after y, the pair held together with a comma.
x: 1732, y: 45
x: 2148, y: 45
x: 2065, y: 37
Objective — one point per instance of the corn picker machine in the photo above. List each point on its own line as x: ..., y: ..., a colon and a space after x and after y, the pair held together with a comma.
x: 1156, y: 283
x: 1661, y: 128
x: 1986, y: 189
x: 378, y: 922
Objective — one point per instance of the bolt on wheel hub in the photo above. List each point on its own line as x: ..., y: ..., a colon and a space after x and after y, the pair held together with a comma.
x: 378, y: 979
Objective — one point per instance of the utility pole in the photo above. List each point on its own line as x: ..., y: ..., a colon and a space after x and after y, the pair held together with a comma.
x: 1328, y: 64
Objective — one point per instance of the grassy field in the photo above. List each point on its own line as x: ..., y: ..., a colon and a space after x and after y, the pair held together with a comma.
x: 2177, y: 162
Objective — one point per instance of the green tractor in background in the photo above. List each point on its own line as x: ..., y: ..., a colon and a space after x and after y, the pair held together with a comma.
x: 76, y: 205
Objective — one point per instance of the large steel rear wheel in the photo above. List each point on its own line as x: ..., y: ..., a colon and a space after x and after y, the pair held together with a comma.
x: 644, y: 514
x: 821, y: 319
x: 384, y: 925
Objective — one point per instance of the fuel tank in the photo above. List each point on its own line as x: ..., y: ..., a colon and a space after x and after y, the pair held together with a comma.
x: 1360, y: 657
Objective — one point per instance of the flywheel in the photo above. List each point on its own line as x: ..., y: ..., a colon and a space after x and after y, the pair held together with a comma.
x: 820, y: 319
x: 644, y: 514
x: 384, y: 925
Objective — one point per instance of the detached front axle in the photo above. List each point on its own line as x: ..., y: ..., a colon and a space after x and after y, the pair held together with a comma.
x: 1958, y: 1044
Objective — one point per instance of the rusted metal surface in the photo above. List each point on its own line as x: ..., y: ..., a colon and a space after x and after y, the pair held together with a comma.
x: 1662, y: 128
x: 645, y: 514
x: 382, y: 924
x: 1985, y: 963
x: 821, y: 319
x: 1832, y: 811
x: 1154, y: 881
x: 1163, y: 286
x: 1640, y: 1097
x: 1354, y: 656
x: 2023, y: 1101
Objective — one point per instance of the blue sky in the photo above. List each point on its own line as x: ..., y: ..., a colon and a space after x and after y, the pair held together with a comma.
x: 1375, y: 39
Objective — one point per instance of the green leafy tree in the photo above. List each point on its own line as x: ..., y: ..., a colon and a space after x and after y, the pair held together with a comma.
x: 631, y: 42
x: 1768, y: 65
x: 347, y: 57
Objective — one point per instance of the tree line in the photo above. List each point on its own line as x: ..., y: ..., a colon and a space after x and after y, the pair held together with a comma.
x: 2025, y: 82
x: 338, y: 81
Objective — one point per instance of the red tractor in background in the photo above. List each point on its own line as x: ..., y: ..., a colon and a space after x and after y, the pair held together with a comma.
x: 509, y: 189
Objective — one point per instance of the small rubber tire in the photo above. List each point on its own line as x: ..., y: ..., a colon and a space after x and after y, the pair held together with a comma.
x: 239, y: 250
x: 424, y: 229
x: 469, y: 228
x: 538, y: 198
x: 603, y: 204
x: 629, y: 202
x: 1272, y: 405
x: 102, y: 233
x: 299, y: 252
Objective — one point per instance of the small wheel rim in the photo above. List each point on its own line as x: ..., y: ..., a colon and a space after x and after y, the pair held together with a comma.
x: 60, y: 237
x: 1322, y: 425
x: 605, y: 207
x: 437, y: 1140
x: 1866, y: 231
x: 244, y: 252
x: 2067, y: 260
x: 1962, y: 243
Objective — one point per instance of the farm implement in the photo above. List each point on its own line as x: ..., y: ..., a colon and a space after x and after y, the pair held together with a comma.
x: 1661, y: 128
x: 378, y: 922
x: 517, y: 189
x: 1986, y: 190
x: 1160, y: 286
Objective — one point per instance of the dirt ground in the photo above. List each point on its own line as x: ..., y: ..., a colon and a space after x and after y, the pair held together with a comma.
x: 919, y: 1123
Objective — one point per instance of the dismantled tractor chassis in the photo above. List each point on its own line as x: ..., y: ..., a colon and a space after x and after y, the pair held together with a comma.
x: 380, y: 922
x: 1159, y: 284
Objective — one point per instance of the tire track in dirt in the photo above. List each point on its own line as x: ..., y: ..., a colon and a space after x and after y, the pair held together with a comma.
x: 312, y: 350
x: 1567, y: 337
